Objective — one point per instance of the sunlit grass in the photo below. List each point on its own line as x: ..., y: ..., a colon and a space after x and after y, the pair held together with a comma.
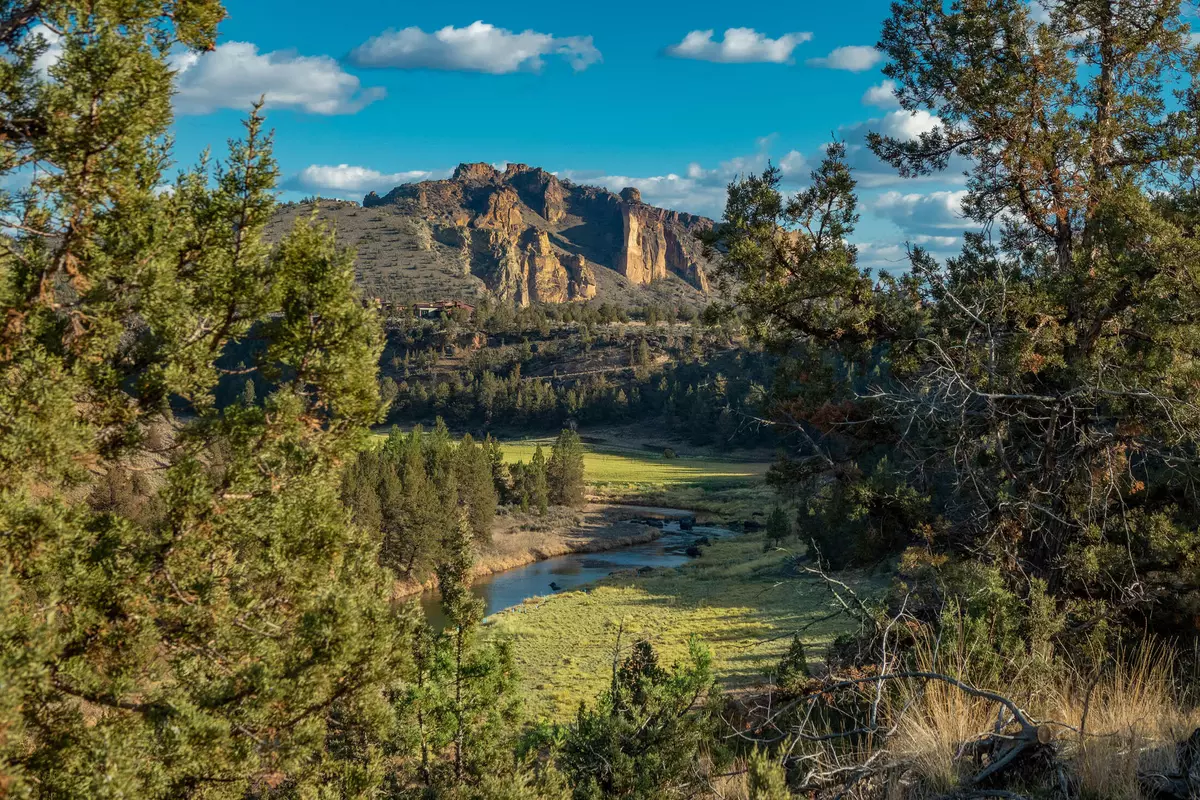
x: 740, y: 601
x: 609, y: 465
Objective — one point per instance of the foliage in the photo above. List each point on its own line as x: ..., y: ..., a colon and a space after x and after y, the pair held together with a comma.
x: 792, y: 673
x: 187, y: 608
x: 644, y: 735
x: 779, y: 527
x: 462, y: 701
x: 564, y: 471
x: 766, y: 778
x: 704, y: 392
x: 1028, y: 403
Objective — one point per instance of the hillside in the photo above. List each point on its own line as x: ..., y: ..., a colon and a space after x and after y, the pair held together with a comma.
x: 521, y: 235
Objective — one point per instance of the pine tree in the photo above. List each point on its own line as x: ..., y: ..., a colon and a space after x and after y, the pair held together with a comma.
x: 779, y: 527
x: 465, y: 705
x: 535, y: 475
x: 499, y: 469
x: 476, y: 488
x: 464, y: 611
x: 248, y: 393
x: 564, y: 472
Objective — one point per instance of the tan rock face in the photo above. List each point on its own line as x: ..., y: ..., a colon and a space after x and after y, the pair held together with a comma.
x: 683, y: 263
x: 545, y: 274
x: 478, y: 172
x: 503, y: 211
x: 507, y: 280
x: 581, y: 284
x: 554, y: 201
x: 643, y: 255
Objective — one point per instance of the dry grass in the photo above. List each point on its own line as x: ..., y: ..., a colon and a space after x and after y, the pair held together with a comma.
x: 1130, y: 720
x: 939, y: 718
x: 1110, y: 726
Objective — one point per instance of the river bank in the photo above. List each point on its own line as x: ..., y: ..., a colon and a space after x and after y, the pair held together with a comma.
x: 521, y: 538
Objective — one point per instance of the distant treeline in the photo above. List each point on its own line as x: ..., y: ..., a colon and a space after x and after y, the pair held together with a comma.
x: 417, y: 488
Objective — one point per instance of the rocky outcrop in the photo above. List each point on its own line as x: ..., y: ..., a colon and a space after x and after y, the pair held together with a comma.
x: 533, y: 238
x: 503, y: 211
x: 478, y: 172
x: 658, y: 241
x: 643, y: 256
x: 544, y: 273
x: 581, y: 280
x: 540, y: 190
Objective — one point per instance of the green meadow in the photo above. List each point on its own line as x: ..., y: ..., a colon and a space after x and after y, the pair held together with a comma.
x: 606, y: 465
x: 744, y: 604
x: 726, y: 490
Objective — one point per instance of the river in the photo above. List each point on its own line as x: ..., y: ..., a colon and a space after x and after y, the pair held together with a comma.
x: 514, y: 586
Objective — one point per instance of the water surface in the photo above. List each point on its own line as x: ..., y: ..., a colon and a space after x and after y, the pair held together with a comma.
x: 514, y: 586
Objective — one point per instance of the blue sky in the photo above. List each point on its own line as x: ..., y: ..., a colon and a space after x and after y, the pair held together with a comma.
x: 365, y: 95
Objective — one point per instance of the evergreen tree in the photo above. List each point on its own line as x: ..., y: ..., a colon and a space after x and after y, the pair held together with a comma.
x: 1033, y: 395
x: 248, y: 393
x: 643, y: 737
x: 766, y: 778
x: 521, y: 490
x: 779, y: 527
x: 538, y: 490
x: 476, y: 487
x: 564, y: 472
x: 419, y: 522
x: 499, y: 469
x: 464, y: 701
x: 234, y: 637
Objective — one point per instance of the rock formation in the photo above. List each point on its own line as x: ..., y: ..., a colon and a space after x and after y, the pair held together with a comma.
x: 544, y: 273
x: 534, y: 238
x: 582, y: 280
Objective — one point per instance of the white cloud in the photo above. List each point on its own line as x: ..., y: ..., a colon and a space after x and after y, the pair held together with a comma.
x: 908, y: 124
x: 701, y: 190
x: 854, y: 58
x: 479, y: 47
x: 934, y: 215
x: 53, y: 51
x: 236, y: 74
x: 926, y: 240
x: 882, y: 96
x: 346, y: 180
x: 1039, y: 11
x: 869, y: 171
x: 739, y: 46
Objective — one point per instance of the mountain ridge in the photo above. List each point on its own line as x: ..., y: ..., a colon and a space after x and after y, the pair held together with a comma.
x: 521, y: 235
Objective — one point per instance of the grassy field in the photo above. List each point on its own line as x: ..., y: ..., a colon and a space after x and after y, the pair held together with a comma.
x: 606, y: 465
x: 728, y: 490
x: 740, y: 601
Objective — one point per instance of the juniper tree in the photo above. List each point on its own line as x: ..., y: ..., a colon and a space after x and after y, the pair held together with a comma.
x: 205, y: 647
x: 1033, y: 396
x: 644, y: 735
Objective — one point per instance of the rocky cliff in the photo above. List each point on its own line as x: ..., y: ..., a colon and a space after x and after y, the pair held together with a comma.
x: 533, y: 238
